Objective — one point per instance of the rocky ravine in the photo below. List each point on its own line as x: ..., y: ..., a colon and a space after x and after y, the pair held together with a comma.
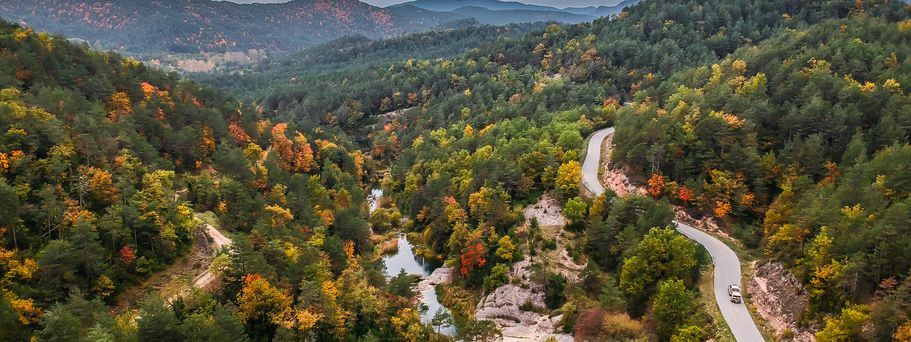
x: 503, y: 306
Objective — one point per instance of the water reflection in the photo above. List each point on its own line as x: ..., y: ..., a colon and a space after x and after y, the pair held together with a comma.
x: 405, y: 259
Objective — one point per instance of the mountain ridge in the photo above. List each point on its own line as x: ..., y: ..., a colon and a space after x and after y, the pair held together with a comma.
x: 194, y: 26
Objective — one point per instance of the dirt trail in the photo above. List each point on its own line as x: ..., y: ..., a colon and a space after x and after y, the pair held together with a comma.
x: 171, y: 282
x: 220, y: 242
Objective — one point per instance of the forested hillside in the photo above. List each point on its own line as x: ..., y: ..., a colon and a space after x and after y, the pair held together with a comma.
x: 346, y: 57
x: 146, y: 28
x: 785, y: 121
x: 801, y: 144
x: 741, y: 110
x: 104, y: 165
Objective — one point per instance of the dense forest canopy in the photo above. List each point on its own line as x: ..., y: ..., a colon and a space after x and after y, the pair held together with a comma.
x: 787, y: 122
x: 105, y: 165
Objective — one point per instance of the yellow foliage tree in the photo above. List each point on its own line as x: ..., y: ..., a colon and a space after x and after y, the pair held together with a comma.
x: 119, y: 106
x: 259, y: 300
x: 505, y: 248
x: 568, y: 177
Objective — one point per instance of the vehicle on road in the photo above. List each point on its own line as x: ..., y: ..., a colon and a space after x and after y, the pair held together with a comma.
x: 734, y: 293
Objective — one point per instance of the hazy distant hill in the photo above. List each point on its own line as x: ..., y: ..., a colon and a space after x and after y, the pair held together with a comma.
x: 601, y: 11
x: 502, y: 17
x: 154, y: 28
x: 190, y: 26
x: 511, y: 11
x: 451, y: 5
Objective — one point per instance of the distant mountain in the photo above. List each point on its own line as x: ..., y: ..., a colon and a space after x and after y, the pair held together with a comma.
x: 494, y: 5
x: 602, y: 11
x: 170, y: 30
x: 500, y: 12
x: 142, y: 27
x: 503, y: 17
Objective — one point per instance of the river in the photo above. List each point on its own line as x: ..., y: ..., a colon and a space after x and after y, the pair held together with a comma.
x: 405, y: 259
x: 413, y: 264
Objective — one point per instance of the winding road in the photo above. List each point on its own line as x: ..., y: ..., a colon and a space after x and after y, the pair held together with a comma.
x: 727, y: 265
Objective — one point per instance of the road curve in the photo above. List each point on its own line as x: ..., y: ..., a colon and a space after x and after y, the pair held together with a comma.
x: 727, y: 266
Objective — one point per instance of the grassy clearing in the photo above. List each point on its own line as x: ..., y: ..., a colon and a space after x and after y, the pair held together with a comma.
x: 720, y: 330
x: 461, y: 301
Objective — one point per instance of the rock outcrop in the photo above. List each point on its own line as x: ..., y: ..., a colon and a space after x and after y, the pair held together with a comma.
x: 519, y: 311
x: 442, y: 275
x: 779, y: 298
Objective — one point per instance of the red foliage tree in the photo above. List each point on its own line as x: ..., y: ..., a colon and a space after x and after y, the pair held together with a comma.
x: 473, y: 257
x: 127, y: 255
x: 588, y: 325
x: 686, y: 194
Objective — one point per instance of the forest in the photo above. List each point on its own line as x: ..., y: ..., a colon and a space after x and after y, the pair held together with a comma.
x: 785, y: 121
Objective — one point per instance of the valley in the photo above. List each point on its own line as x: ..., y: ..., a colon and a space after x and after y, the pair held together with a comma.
x: 455, y: 170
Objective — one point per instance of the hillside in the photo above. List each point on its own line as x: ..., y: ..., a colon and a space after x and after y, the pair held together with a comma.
x: 503, y: 17
x: 781, y: 129
x: 497, y: 5
x: 742, y: 115
x: 502, y: 12
x: 159, y: 29
x: 142, y: 27
x: 334, y: 60
x: 104, y: 164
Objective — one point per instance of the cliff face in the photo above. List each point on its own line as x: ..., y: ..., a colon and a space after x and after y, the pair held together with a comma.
x: 779, y: 298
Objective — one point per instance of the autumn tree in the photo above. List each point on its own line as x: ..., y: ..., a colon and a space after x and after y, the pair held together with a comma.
x: 260, y: 304
x: 505, y: 248
x: 119, y: 106
x: 569, y: 175
x: 473, y: 257
x: 847, y: 326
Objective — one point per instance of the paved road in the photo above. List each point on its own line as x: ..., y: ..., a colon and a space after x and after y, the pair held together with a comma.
x: 727, y: 266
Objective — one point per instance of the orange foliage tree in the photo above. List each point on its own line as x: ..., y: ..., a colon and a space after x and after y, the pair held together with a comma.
x: 656, y: 185
x: 296, y: 155
x: 685, y: 194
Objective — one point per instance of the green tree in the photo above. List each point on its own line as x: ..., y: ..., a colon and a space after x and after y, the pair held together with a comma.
x: 575, y: 210
x: 662, y: 254
x: 158, y: 322
x: 674, y: 308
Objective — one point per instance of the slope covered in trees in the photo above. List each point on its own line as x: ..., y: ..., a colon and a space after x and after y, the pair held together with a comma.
x: 800, y: 142
x: 345, y: 58
x: 488, y: 131
x: 787, y: 120
x: 103, y: 165
x: 733, y: 101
